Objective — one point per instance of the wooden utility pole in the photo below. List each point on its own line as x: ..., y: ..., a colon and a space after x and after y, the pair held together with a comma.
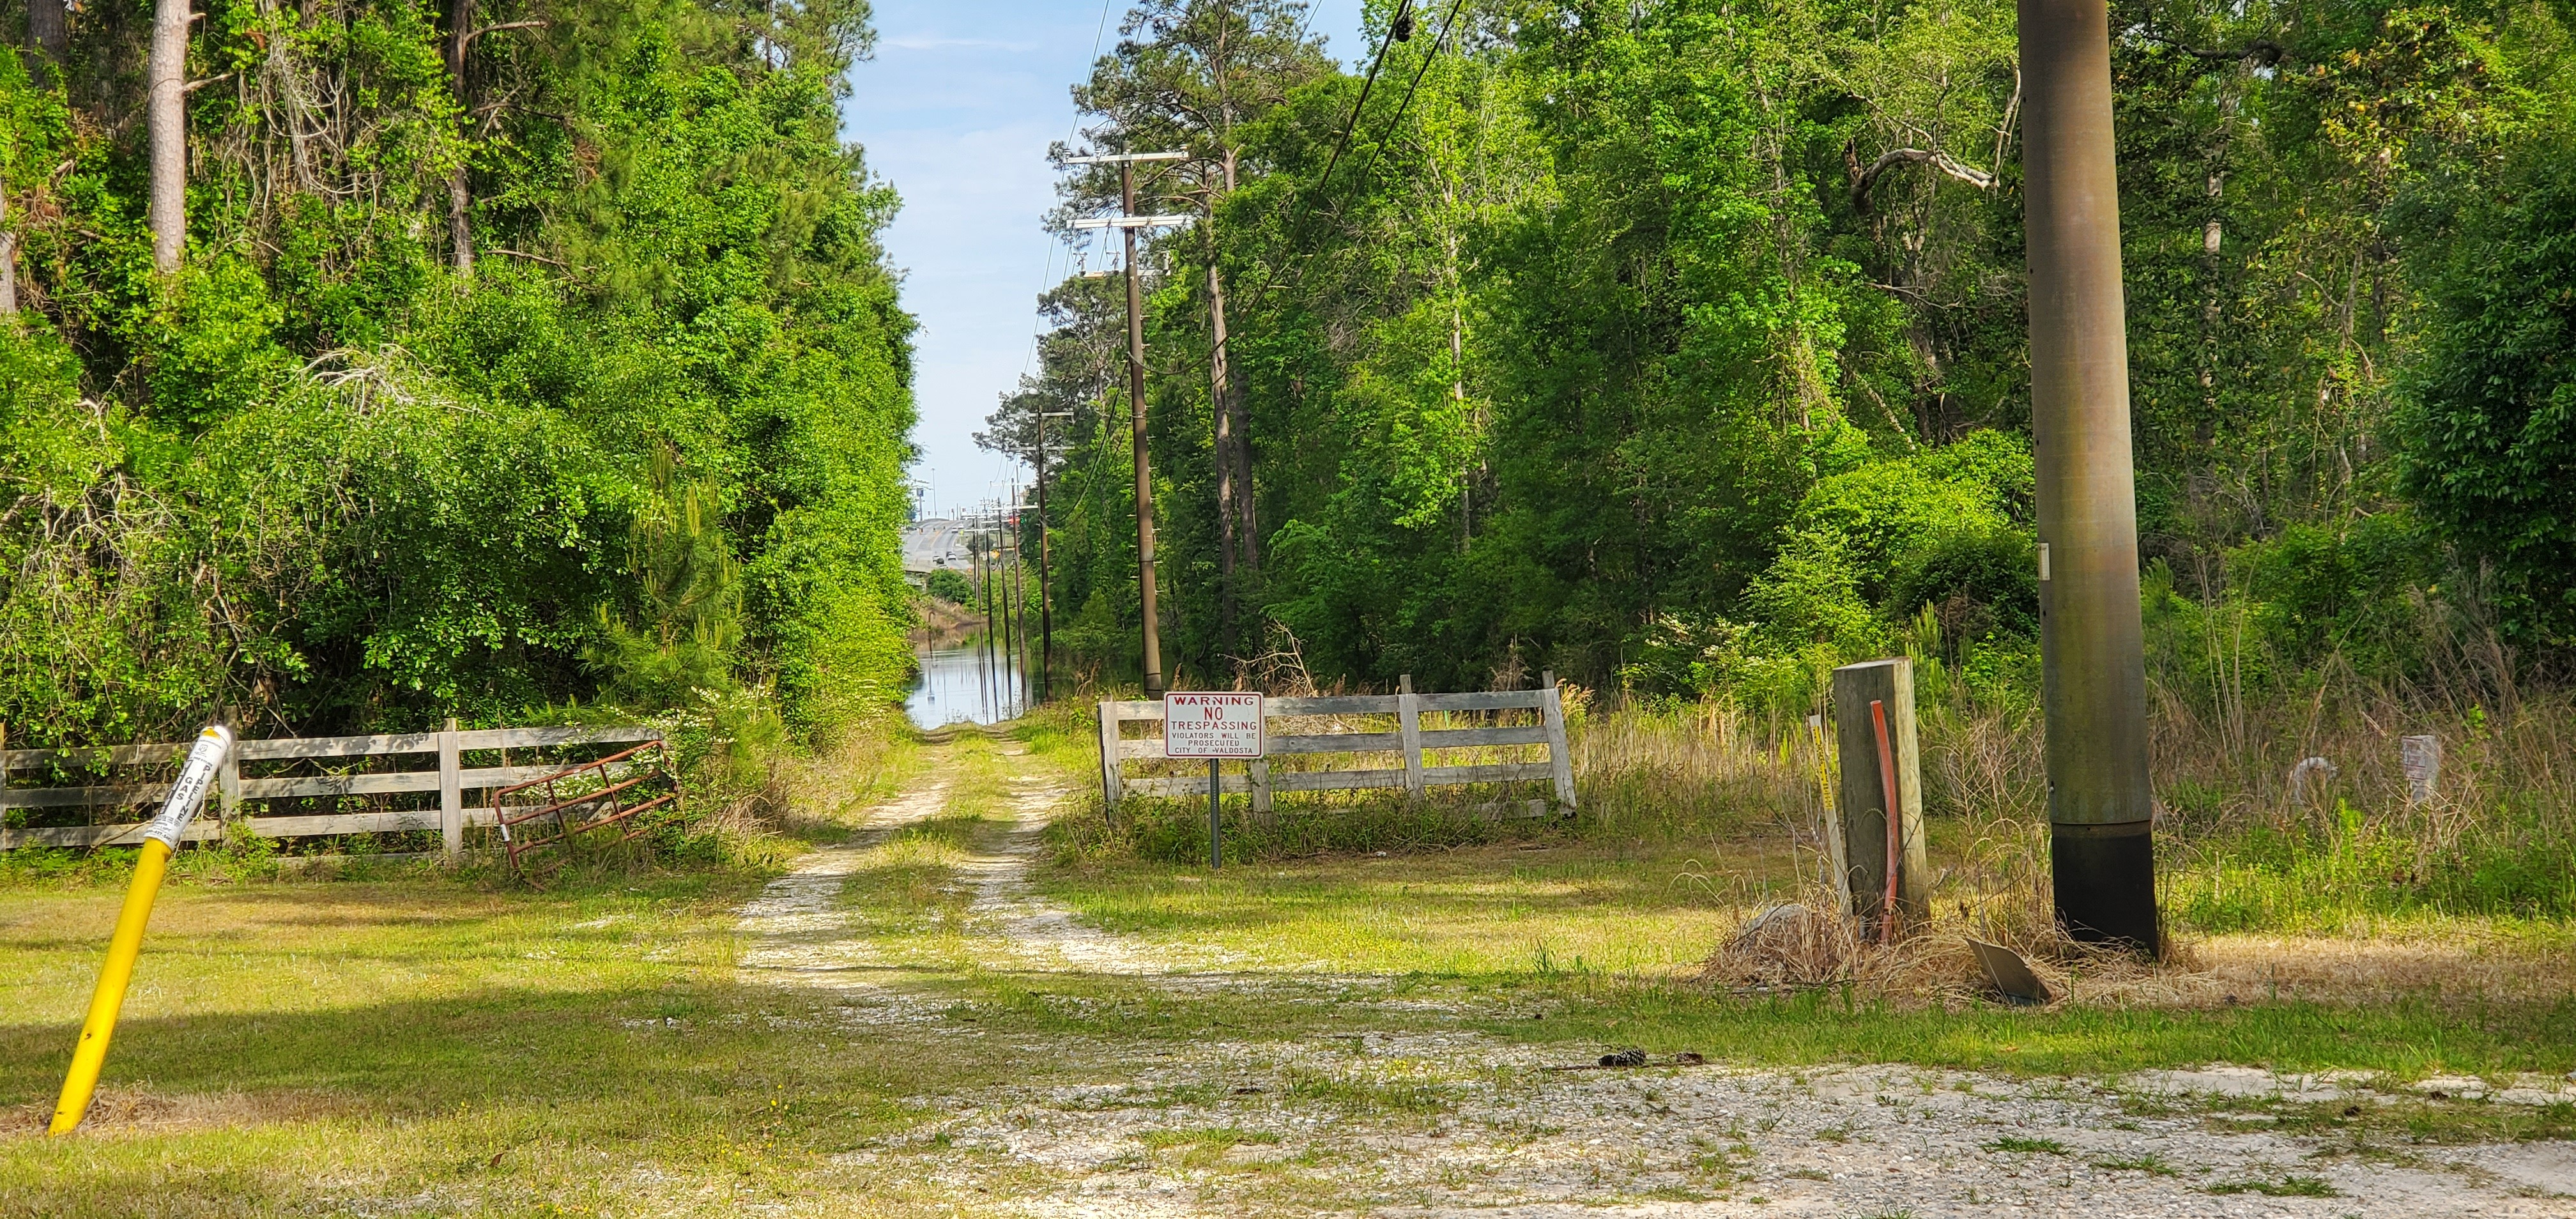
x: 1127, y: 222
x: 1015, y: 603
x: 2093, y: 663
x: 1046, y: 569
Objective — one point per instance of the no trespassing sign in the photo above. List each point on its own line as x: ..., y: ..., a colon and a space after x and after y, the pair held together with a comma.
x: 1212, y: 725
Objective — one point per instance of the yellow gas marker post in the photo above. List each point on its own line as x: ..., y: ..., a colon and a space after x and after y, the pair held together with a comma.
x: 159, y: 839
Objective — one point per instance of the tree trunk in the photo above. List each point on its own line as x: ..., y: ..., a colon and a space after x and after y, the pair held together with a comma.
x: 51, y: 33
x: 166, y: 118
x: 1458, y: 396
x: 460, y: 192
x: 8, y: 258
x: 1222, y: 400
x: 1248, y: 539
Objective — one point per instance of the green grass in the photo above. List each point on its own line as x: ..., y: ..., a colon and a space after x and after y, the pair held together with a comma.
x: 319, y: 1047
x: 2152, y: 1165
x: 299, y: 1044
x: 1591, y: 938
x: 2036, y: 1146
x: 1571, y: 910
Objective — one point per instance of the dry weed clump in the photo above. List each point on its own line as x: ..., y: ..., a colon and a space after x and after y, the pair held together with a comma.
x: 1800, y: 946
x: 1685, y: 769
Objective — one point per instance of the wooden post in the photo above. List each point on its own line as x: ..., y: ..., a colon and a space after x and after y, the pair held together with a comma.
x: 2420, y: 757
x: 1259, y: 774
x: 451, y: 793
x: 1551, y: 712
x: 1109, y: 771
x: 1408, y: 713
x: 1864, y: 804
x: 228, y: 794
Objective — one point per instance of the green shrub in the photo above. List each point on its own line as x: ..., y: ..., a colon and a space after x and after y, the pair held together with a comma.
x: 950, y: 585
x: 2488, y: 416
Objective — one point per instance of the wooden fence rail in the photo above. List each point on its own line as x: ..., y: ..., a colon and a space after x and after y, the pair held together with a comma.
x: 1410, y: 739
x: 449, y: 777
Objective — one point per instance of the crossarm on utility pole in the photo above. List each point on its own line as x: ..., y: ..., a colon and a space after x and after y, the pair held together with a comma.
x: 1133, y: 222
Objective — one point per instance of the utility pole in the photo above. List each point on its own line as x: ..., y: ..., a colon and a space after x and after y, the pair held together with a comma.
x: 1005, y: 519
x: 1127, y: 222
x: 2093, y: 663
x: 1017, y: 601
x: 1046, y: 570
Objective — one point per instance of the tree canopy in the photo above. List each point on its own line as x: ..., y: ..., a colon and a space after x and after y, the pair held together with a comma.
x: 1681, y: 346
x: 522, y: 356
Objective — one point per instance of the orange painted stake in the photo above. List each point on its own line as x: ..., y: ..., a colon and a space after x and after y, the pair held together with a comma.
x: 1895, y: 818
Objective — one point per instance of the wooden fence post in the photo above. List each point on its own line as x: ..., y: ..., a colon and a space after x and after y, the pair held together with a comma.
x: 1258, y: 773
x: 1551, y: 712
x: 228, y: 795
x: 451, y: 793
x: 1109, y: 768
x: 1863, y: 805
x: 1408, y: 713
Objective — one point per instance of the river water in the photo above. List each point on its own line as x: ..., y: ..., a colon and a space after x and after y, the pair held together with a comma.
x: 965, y: 684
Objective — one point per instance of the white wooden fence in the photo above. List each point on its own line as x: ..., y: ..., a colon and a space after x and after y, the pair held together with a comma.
x: 1410, y: 739
x: 447, y: 776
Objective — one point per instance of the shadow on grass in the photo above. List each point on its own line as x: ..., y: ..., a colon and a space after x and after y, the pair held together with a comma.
x: 2416, y: 1036
x: 481, y: 1096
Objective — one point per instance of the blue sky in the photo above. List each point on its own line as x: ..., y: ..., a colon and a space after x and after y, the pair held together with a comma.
x: 956, y: 110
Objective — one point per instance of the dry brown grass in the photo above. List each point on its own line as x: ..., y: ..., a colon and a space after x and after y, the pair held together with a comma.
x: 1803, y: 945
x: 1703, y: 770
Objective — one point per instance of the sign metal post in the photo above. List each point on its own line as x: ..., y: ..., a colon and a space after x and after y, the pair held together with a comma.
x: 1215, y: 726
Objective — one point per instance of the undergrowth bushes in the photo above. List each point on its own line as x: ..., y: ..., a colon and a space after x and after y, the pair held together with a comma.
x: 2237, y: 852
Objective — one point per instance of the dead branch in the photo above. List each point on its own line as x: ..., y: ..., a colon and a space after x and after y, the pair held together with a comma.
x: 1947, y: 164
x: 506, y: 25
x: 2262, y: 52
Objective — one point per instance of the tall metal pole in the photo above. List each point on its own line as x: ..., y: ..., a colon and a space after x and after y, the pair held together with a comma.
x: 2093, y: 664
x: 1153, y: 643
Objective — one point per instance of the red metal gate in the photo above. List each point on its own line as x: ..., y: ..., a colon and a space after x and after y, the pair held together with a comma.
x: 583, y: 799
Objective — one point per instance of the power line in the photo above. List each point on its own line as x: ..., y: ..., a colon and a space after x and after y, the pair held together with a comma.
x: 1384, y: 45
x: 1379, y: 149
x: 1297, y: 208
x: 1038, y: 330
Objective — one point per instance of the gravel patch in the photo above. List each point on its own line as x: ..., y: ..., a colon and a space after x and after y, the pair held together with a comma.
x: 1454, y: 1123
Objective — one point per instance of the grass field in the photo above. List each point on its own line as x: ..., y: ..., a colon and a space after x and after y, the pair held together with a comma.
x: 459, y: 1046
